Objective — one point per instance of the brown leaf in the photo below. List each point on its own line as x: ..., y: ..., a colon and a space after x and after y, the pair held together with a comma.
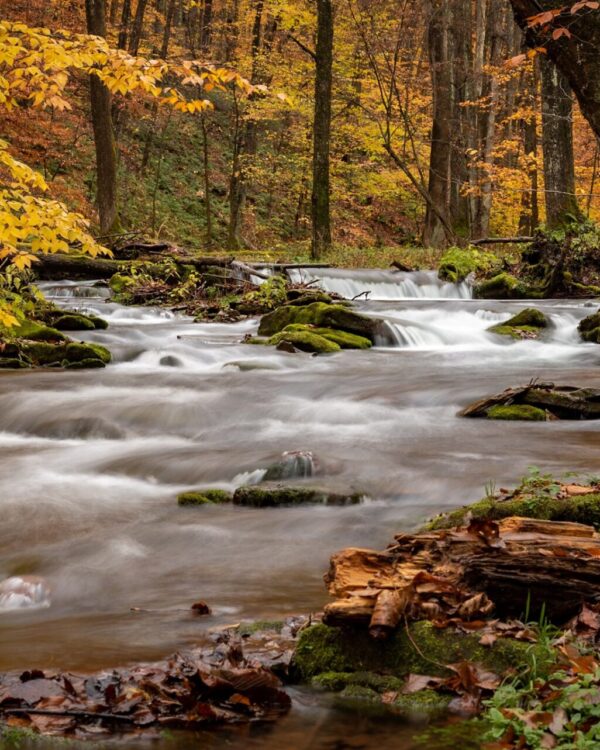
x: 559, y: 720
x: 416, y: 682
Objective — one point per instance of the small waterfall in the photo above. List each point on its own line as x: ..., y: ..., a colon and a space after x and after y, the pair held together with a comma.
x: 381, y: 285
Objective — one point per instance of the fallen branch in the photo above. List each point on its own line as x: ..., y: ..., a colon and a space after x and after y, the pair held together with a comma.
x: 502, y: 240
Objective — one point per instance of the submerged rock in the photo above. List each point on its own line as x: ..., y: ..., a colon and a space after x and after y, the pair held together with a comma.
x: 589, y: 328
x: 527, y: 324
x: 203, y: 497
x: 293, y: 465
x: 271, y: 497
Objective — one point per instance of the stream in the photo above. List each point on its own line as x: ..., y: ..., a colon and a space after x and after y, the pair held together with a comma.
x: 92, y: 462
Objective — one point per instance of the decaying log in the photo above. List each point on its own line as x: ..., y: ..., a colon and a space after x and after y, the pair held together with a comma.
x: 459, y: 573
x: 59, y: 266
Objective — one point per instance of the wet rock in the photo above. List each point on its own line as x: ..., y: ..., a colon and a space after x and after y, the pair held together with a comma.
x: 29, y: 329
x: 589, y: 328
x: 203, y: 497
x: 343, y: 339
x: 69, y: 321
x: 556, y: 401
x: 319, y: 315
x: 457, y: 263
x: 528, y: 323
x: 170, y: 361
x: 65, y: 354
x: 272, y: 497
x: 502, y: 286
x: 286, y: 346
x: 293, y: 465
x: 305, y: 340
x: 307, y: 297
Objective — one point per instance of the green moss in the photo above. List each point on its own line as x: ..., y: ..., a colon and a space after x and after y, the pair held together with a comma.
x: 516, y: 412
x: 203, y: 497
x: 526, y: 324
x: 501, y: 286
x: 308, y: 297
x: 336, y: 681
x: 70, y: 322
x: 13, y: 363
x: 64, y: 354
x: 78, y: 352
x: 343, y: 339
x: 323, y: 649
x: 28, y: 329
x: 589, y: 328
x: 305, y: 340
x: 320, y: 315
x: 121, y: 284
x: 458, y: 262
x: 272, y: 497
x: 83, y: 364
x: 259, y: 626
x: 579, y: 509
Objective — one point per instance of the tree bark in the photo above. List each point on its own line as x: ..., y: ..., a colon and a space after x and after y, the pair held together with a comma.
x: 104, y: 138
x: 575, y: 56
x: 557, y: 147
x: 124, y: 27
x: 440, y: 154
x: 138, y: 26
x: 321, y: 218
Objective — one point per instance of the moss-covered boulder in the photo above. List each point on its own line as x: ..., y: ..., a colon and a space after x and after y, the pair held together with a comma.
x: 459, y: 262
x: 517, y: 412
x: 319, y: 315
x: 528, y: 323
x: 71, y: 321
x: 203, y: 497
x: 33, y: 331
x: 501, y: 286
x: 323, y: 649
x: 307, y: 297
x: 320, y: 340
x: 589, y: 328
x: 305, y: 339
x: 265, y: 496
x: 65, y: 354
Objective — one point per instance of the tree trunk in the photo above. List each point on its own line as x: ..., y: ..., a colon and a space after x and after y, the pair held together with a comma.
x: 104, y: 139
x: 439, y: 160
x: 557, y: 147
x: 321, y: 219
x: 576, y: 56
x: 206, y: 169
x: 137, y: 28
x: 124, y: 27
x: 206, y: 26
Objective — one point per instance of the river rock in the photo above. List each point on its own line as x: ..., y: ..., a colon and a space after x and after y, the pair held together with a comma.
x: 527, y: 324
x: 538, y: 402
x: 203, y: 497
x: 271, y: 497
x: 319, y: 315
x: 292, y: 465
x: 589, y: 328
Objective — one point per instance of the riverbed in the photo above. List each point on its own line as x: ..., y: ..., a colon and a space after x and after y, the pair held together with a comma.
x: 92, y: 462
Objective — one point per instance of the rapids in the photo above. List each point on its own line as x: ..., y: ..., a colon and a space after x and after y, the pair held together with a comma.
x: 92, y: 462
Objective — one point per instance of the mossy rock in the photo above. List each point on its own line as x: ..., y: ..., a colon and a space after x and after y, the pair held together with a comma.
x: 501, y: 286
x: 121, y: 284
x: 319, y: 315
x: 578, y: 509
x: 343, y: 339
x: 203, y: 497
x: 273, y: 497
x: 589, y: 328
x: 307, y: 297
x: 305, y: 340
x: 83, y: 364
x: 29, y: 329
x: 324, y: 649
x: 67, y: 321
x: 43, y: 353
x: 517, y: 412
x: 458, y: 262
x: 528, y: 323
x: 246, y: 629
x: 13, y: 363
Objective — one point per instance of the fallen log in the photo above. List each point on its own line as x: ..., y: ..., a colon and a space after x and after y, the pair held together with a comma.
x: 464, y: 573
x: 502, y: 240
x: 59, y: 266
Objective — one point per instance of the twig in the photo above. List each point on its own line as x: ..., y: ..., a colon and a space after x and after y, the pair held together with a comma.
x: 360, y: 294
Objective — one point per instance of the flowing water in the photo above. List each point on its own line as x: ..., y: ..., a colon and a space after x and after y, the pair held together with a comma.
x: 92, y: 462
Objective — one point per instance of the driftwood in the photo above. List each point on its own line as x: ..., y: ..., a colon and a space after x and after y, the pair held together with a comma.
x: 558, y: 401
x: 463, y: 574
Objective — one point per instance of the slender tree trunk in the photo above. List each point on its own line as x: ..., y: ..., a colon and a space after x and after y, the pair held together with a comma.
x: 530, y: 214
x: 206, y: 168
x: 206, y: 26
x: 321, y: 219
x: 124, y: 27
x: 137, y: 27
x: 114, y: 9
x: 557, y: 147
x: 439, y: 160
x: 104, y: 139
